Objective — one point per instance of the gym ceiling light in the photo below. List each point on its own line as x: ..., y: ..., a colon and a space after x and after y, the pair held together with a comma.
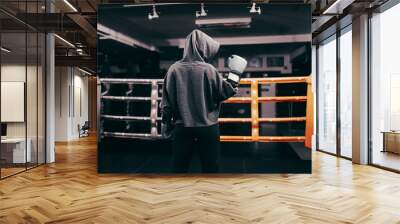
x: 202, y: 11
x: 255, y: 9
x: 237, y: 22
x: 153, y: 14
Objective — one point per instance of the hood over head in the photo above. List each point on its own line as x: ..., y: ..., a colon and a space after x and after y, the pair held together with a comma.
x: 199, y: 47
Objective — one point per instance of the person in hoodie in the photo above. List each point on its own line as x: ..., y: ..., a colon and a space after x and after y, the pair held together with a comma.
x: 192, y: 95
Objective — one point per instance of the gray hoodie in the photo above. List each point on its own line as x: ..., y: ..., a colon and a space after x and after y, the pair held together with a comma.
x: 193, y: 89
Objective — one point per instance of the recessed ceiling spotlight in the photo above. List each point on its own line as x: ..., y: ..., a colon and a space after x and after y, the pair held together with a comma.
x: 153, y: 14
x: 202, y: 11
x: 255, y: 9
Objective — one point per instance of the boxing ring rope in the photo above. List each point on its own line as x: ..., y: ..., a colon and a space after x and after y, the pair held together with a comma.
x: 131, y: 135
x: 254, y: 101
x: 129, y: 98
x: 262, y: 120
x: 129, y: 118
x: 131, y: 81
x: 255, y: 120
x: 267, y: 99
x: 262, y: 139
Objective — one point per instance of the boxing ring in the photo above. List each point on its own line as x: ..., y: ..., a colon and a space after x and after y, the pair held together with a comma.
x: 254, y: 100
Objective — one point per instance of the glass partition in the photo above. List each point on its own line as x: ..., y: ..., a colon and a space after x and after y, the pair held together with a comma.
x: 14, y: 153
x: 22, y: 92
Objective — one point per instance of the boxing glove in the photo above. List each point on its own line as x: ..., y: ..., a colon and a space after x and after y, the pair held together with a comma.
x: 236, y: 65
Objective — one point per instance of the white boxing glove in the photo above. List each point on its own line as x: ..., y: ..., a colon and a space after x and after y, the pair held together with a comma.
x: 236, y: 65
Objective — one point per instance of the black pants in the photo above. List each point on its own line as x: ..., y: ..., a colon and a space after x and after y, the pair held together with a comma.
x: 201, y: 140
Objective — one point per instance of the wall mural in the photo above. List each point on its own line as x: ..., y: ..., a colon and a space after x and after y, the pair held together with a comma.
x: 205, y: 88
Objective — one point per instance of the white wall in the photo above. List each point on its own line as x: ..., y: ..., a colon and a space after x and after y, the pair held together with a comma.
x: 71, y: 102
x: 16, y: 73
x: 33, y: 126
x: 80, y: 111
x: 62, y: 82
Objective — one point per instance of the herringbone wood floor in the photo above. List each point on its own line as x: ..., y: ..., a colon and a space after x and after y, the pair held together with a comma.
x: 71, y: 191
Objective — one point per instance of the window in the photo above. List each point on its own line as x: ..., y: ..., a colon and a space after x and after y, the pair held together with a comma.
x: 346, y: 92
x: 385, y: 89
x: 327, y: 95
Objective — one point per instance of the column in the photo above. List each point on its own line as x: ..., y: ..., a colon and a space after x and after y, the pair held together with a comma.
x: 360, y: 90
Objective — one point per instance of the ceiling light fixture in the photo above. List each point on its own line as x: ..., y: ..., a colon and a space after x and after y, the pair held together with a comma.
x: 5, y: 50
x: 107, y: 33
x: 150, y: 4
x: 64, y: 40
x: 255, y: 9
x: 337, y: 7
x: 153, y: 14
x: 70, y: 5
x: 237, y: 22
x: 84, y: 71
x: 79, y: 51
x: 202, y: 11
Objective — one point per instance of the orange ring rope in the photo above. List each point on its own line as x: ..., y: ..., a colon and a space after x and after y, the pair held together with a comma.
x: 255, y: 120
